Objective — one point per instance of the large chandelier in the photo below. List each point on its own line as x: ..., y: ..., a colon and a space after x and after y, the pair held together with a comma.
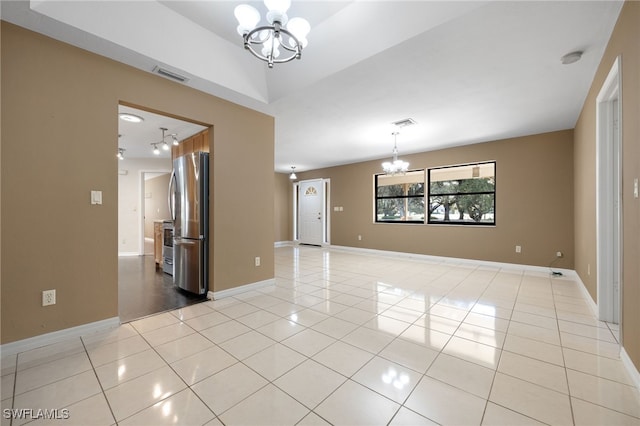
x: 265, y: 42
x: 396, y: 166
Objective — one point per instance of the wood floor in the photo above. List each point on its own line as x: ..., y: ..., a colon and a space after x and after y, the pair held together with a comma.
x: 143, y: 290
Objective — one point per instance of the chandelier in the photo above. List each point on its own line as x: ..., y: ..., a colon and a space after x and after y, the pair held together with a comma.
x: 396, y: 166
x: 163, y: 142
x: 265, y: 42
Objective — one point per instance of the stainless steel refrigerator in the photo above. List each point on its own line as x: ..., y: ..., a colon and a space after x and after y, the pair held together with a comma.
x: 189, y: 206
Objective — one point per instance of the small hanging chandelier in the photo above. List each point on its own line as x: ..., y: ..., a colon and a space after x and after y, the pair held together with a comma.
x: 290, y: 35
x: 396, y: 166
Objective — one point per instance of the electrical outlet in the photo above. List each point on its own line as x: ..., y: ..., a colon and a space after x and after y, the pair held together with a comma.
x: 559, y: 254
x: 518, y: 249
x: 257, y: 260
x: 48, y: 297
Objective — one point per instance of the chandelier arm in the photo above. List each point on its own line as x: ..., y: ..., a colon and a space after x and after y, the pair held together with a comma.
x: 249, y: 41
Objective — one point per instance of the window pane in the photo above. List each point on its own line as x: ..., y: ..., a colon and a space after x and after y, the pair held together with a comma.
x: 400, y: 209
x: 400, y: 198
x: 476, y: 208
x: 462, y: 194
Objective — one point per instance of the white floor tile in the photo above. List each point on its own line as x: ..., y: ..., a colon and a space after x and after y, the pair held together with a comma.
x: 310, y: 382
x: 531, y: 400
x: 613, y: 395
x: 124, y: 369
x: 539, y: 372
x: 308, y: 342
x: 101, y: 354
x: 354, y: 404
x: 142, y: 392
x: 495, y: 415
x: 408, y: 354
x: 600, y: 366
x: 388, y: 378
x: 484, y: 355
x: 406, y: 417
x: 343, y: 358
x: 166, y: 334
x: 183, y: 347
x: 465, y: 375
x: 445, y: 404
x: 183, y: 408
x: 588, y: 414
x: 201, y: 365
x: 274, y: 361
x: 227, y: 388
x: 247, y: 344
x: 268, y: 406
x: 226, y: 331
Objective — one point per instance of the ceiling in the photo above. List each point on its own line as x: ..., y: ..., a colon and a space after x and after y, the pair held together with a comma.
x: 466, y: 72
x: 137, y: 138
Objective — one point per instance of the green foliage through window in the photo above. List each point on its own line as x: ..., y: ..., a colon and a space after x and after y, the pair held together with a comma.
x: 464, y: 195
x: 400, y: 198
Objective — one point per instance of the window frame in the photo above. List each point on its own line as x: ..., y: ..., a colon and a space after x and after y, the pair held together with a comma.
x: 428, y: 195
x: 406, y: 197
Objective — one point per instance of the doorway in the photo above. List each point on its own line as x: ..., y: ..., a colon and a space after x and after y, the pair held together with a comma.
x: 311, y: 201
x: 609, y: 197
x: 144, y: 146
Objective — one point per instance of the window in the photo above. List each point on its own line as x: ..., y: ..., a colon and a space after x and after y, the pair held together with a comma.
x: 400, y: 198
x: 463, y: 195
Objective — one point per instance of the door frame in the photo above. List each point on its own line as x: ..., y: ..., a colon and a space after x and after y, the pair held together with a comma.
x: 609, y: 196
x: 326, y: 202
x: 142, y: 196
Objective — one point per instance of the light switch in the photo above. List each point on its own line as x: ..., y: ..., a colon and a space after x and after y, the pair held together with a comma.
x: 96, y: 197
x: 635, y: 188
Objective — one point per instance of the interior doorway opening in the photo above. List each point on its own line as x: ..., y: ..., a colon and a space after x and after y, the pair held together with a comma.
x: 609, y: 196
x: 145, y: 143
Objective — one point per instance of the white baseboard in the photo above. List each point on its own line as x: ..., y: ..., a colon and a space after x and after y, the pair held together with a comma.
x: 13, y: 348
x: 630, y: 367
x: 283, y: 244
x: 455, y: 260
x: 128, y: 253
x: 587, y: 297
x: 215, y: 295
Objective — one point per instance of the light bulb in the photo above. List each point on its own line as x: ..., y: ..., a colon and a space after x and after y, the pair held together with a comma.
x: 165, y: 146
x: 175, y: 140
x: 299, y: 27
x: 278, y: 5
x: 156, y: 151
x: 247, y: 16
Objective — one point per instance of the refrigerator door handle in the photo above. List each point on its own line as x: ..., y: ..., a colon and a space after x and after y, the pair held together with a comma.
x: 181, y: 242
x: 171, y: 195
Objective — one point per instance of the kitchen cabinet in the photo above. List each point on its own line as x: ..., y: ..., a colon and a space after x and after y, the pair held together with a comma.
x: 197, y: 142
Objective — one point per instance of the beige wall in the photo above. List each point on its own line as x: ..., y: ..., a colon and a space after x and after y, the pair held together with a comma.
x: 59, y: 138
x: 625, y: 43
x: 534, y: 204
x: 283, y: 208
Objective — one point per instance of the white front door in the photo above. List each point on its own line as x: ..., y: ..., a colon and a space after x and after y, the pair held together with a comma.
x: 311, y: 211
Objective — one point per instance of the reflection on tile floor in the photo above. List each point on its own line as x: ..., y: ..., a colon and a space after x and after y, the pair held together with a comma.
x: 345, y: 338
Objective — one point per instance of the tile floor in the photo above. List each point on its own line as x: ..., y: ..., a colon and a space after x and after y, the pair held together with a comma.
x: 345, y: 339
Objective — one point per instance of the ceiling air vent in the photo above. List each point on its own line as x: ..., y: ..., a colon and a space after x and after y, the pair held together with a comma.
x: 404, y: 123
x: 170, y: 74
